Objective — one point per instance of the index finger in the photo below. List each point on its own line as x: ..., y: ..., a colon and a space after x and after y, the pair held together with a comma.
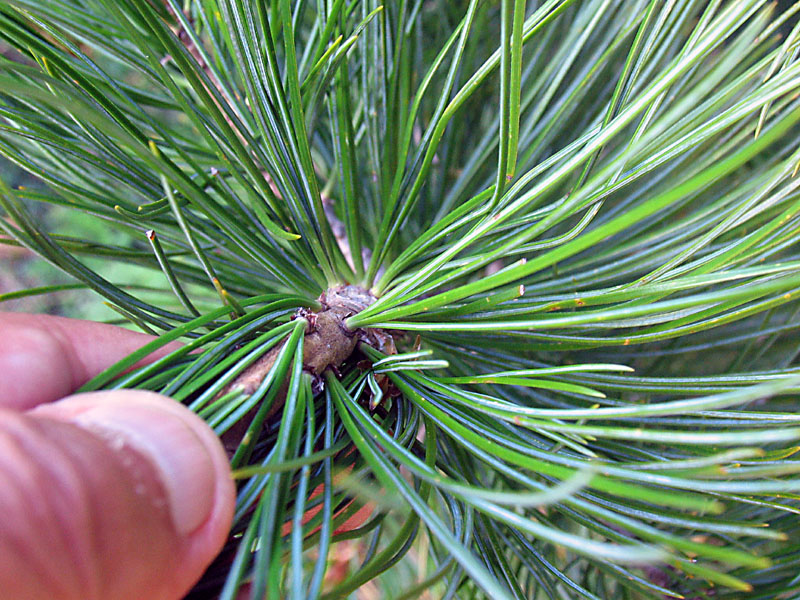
x: 44, y: 358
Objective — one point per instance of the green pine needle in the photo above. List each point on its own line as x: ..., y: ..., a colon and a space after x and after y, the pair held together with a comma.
x: 581, y: 221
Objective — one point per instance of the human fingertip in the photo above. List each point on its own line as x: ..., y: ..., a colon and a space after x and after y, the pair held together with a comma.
x: 188, y: 457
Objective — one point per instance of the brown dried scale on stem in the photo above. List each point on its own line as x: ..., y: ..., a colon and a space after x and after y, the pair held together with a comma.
x: 327, y: 344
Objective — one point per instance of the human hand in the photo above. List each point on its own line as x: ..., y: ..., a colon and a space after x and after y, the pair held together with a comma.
x: 116, y: 495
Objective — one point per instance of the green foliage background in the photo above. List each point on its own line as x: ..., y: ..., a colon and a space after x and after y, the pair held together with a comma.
x: 580, y: 219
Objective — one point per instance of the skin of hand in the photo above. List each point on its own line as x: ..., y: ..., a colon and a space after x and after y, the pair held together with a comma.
x: 108, y: 495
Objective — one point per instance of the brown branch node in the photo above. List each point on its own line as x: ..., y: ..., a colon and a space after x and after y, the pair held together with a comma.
x: 328, y: 343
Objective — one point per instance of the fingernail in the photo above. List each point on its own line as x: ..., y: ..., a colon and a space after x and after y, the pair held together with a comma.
x: 170, y: 438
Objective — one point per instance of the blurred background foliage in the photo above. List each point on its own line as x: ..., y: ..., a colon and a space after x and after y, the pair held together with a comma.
x: 21, y: 270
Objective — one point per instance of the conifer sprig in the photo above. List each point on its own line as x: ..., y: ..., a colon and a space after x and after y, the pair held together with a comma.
x: 580, y: 221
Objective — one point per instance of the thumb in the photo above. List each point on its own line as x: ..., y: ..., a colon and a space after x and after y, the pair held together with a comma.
x: 122, y: 495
